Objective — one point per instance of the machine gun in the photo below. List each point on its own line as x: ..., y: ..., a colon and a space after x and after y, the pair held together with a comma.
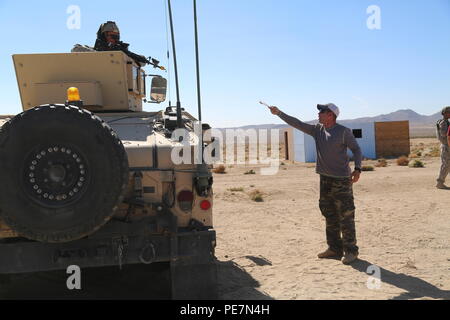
x: 122, y: 46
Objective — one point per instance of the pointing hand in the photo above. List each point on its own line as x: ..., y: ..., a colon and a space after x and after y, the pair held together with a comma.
x: 275, y: 110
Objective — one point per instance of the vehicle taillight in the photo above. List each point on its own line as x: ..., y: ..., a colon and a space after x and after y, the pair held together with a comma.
x: 185, y: 196
x: 205, y: 205
x: 185, y: 200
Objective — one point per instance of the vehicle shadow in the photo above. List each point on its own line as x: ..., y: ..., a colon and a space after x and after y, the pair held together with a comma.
x: 133, y: 282
x: 234, y: 283
x: 415, y: 287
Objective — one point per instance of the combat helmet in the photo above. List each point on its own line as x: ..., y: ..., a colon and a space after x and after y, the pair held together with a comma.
x: 110, y: 26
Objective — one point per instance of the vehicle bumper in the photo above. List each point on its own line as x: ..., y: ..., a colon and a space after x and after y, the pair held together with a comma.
x: 116, y: 244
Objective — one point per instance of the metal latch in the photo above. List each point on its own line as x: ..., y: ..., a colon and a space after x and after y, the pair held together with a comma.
x: 121, y: 244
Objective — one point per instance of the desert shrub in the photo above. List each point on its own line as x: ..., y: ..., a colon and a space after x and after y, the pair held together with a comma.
x: 381, y: 163
x: 435, y: 152
x: 415, y: 154
x: 257, y: 196
x: 367, y: 168
x: 417, y: 164
x: 220, y: 169
x: 403, y: 161
x: 250, y: 172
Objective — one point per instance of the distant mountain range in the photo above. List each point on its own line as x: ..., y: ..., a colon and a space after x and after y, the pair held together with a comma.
x: 420, y: 125
x: 415, y: 119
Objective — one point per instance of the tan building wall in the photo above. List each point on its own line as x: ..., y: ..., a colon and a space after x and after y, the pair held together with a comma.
x: 392, y: 139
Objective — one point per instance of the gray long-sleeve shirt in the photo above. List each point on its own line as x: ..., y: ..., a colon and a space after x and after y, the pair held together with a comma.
x: 331, y: 146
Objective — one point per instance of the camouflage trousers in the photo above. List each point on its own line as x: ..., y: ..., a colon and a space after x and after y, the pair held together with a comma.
x: 445, y: 163
x: 337, y: 206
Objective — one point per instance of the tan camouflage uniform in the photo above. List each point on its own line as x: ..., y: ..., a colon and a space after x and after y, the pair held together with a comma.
x: 442, y: 127
x: 337, y: 206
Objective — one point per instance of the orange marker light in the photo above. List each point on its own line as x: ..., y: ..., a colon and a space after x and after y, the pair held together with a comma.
x: 73, y: 94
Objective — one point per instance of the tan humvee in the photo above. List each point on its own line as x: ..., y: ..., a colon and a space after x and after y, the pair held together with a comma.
x: 97, y: 174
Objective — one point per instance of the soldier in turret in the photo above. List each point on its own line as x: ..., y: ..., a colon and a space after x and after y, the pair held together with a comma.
x: 108, y: 39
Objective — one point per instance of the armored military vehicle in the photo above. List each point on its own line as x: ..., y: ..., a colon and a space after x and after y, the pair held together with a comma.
x: 87, y: 176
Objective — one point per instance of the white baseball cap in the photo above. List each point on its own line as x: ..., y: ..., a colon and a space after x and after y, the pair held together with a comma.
x: 330, y: 106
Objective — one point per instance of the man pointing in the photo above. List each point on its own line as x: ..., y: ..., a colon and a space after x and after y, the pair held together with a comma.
x: 336, y: 178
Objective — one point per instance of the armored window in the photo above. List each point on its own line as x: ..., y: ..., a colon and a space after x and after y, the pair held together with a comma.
x: 135, y: 79
x: 142, y: 88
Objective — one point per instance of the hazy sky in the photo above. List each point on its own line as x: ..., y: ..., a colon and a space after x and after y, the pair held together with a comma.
x: 290, y: 53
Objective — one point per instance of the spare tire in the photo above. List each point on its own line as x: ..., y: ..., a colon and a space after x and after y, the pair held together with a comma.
x: 63, y: 172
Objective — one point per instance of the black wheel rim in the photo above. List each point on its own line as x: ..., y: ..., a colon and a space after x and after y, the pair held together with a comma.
x: 56, y: 176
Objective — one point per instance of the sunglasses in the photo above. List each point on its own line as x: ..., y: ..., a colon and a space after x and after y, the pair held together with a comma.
x: 113, y: 36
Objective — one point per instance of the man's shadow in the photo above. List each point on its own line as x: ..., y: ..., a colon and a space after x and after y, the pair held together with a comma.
x: 415, y: 287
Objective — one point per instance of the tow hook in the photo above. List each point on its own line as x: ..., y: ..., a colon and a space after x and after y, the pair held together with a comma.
x: 148, y: 253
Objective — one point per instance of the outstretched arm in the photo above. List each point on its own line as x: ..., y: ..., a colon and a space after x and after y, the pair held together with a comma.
x: 294, y: 122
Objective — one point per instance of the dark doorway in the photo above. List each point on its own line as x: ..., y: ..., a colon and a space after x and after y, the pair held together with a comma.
x: 286, y: 145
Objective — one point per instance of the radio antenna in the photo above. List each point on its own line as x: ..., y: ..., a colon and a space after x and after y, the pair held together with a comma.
x: 197, y: 64
x: 179, y: 118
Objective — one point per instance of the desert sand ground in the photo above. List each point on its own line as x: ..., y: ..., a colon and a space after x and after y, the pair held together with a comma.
x: 268, y: 250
